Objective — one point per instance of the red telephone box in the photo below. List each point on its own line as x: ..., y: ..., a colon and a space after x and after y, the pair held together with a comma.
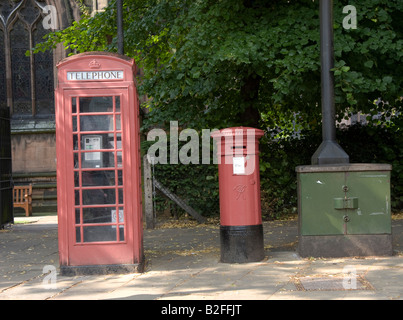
x: 241, y: 230
x: 98, y: 165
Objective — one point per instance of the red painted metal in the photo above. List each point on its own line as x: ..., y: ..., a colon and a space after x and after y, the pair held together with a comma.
x: 98, y: 161
x: 239, y: 178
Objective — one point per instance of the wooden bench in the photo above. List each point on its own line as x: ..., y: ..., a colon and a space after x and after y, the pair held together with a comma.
x: 23, y: 198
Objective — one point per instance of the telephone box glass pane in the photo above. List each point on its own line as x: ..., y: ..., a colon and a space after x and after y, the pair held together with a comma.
x: 100, y: 141
x: 77, y: 197
x: 121, y: 233
x: 78, y: 234
x: 76, y: 179
x: 77, y: 216
x: 74, y: 105
x: 118, y: 141
x: 119, y: 158
x: 120, y: 178
x: 74, y: 123
x: 117, y: 104
x: 96, y: 123
x: 99, y: 196
x: 76, y: 164
x: 99, y: 233
x: 98, y: 215
x: 96, y: 104
x: 120, y: 193
x: 118, y: 122
x: 98, y: 178
x: 75, y: 142
x: 97, y: 160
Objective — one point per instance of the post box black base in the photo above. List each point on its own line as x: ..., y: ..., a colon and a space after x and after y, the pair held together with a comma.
x: 240, y: 244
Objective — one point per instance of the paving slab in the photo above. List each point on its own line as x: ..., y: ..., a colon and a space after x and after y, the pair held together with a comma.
x: 183, y: 264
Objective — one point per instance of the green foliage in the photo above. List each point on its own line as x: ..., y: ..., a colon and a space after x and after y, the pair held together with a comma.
x: 368, y: 59
x: 278, y: 159
x: 88, y: 34
x: 370, y: 143
x: 211, y: 63
x: 379, y: 144
x: 196, y: 184
x: 215, y: 64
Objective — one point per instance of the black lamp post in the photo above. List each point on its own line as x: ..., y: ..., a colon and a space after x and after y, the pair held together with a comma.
x: 119, y: 14
x: 329, y: 152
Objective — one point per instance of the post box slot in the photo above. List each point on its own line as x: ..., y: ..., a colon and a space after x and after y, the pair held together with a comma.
x: 238, y: 147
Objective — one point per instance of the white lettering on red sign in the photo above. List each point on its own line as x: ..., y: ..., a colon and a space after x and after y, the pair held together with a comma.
x: 94, y: 75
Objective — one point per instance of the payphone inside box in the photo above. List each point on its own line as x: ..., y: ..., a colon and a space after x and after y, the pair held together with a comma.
x: 92, y: 159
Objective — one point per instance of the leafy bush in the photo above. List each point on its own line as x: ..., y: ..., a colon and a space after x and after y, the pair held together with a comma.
x: 378, y: 144
x: 198, y: 184
x: 278, y: 178
x: 363, y: 143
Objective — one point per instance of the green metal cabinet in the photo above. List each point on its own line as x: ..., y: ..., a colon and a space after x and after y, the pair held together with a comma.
x: 343, y: 200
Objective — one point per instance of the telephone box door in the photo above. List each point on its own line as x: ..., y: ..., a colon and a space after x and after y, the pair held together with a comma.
x: 102, y: 216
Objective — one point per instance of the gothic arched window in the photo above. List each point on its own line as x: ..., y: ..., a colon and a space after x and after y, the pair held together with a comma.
x: 26, y: 82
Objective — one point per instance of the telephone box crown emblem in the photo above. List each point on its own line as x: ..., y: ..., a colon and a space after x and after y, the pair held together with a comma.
x: 94, y: 64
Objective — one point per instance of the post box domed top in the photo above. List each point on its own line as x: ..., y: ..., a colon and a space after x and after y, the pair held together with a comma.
x: 237, y: 131
x: 237, y: 140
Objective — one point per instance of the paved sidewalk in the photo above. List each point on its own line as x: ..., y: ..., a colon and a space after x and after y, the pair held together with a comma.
x: 183, y: 264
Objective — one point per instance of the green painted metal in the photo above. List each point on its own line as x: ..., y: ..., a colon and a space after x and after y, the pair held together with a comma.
x: 346, y: 199
x: 373, y: 215
x: 345, y: 203
x: 316, y: 194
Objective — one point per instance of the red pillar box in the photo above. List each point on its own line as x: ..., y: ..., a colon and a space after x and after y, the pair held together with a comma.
x: 98, y: 165
x: 241, y: 230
